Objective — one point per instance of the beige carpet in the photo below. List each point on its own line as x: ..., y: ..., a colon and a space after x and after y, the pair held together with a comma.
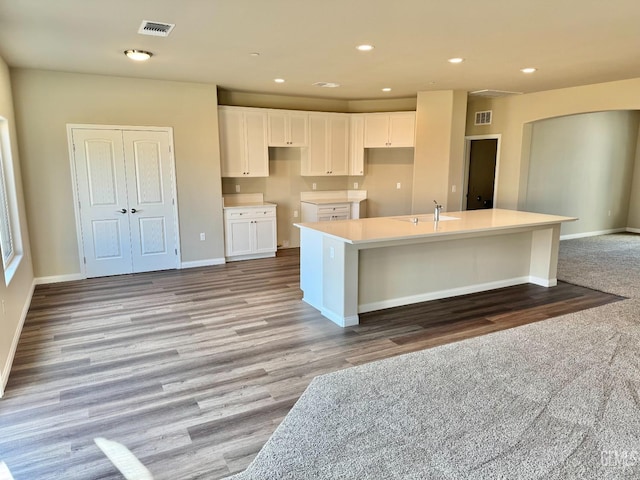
x: 558, y: 399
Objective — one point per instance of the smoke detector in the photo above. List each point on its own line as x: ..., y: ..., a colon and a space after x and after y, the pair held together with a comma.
x: 156, y: 29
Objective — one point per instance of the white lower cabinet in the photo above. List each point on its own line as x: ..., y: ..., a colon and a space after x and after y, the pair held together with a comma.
x: 326, y: 212
x: 250, y: 232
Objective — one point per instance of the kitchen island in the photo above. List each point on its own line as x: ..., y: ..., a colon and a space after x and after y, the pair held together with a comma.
x: 349, y: 267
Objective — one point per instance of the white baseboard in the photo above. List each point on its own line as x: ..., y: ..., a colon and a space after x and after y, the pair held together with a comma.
x: 70, y: 277
x: 452, y: 292
x: 633, y: 230
x: 203, y: 263
x: 593, y: 234
x: 4, y: 373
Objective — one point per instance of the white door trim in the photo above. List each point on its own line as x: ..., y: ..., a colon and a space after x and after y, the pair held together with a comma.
x: 467, y: 157
x: 76, y: 199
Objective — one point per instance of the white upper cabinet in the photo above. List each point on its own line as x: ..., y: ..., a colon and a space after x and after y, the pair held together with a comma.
x: 243, y: 142
x: 288, y: 128
x: 328, y: 152
x: 356, y: 145
x: 388, y: 130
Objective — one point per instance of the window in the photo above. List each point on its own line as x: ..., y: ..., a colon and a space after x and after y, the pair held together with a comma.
x: 10, y: 243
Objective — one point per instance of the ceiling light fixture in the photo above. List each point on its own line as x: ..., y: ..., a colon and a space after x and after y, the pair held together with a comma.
x: 456, y: 60
x: 278, y: 80
x: 528, y: 70
x: 255, y: 54
x: 138, y: 55
x: 386, y: 89
x: 365, y: 48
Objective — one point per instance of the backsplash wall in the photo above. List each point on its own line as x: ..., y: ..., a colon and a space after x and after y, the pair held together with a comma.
x: 384, y: 169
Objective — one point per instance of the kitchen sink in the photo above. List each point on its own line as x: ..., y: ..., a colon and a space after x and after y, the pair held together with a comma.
x: 423, y: 218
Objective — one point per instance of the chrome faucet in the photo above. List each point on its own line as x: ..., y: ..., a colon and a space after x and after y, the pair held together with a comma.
x: 436, y: 212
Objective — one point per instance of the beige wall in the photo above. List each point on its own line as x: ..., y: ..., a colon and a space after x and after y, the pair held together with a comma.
x: 439, y: 150
x: 246, y: 99
x: 582, y: 166
x: 633, y: 221
x: 511, y: 116
x: 17, y: 295
x: 47, y: 101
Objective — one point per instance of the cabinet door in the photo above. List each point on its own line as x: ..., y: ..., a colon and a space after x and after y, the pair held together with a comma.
x: 278, y: 136
x: 265, y: 235
x: 356, y: 145
x: 239, y: 237
x: 402, y: 128
x: 298, y: 129
x: 376, y: 130
x: 232, y: 142
x: 257, y: 151
x: 315, y: 163
x: 338, y: 160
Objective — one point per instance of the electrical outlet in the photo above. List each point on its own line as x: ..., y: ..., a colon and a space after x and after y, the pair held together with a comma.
x: 202, y: 237
x: 398, y: 186
x: 295, y: 214
x: 453, y: 189
x: 355, y: 185
x: 285, y: 243
x: 237, y: 188
x: 313, y: 186
x: 609, y: 212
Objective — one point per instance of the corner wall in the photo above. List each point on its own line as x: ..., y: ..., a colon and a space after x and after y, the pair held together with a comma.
x: 17, y: 295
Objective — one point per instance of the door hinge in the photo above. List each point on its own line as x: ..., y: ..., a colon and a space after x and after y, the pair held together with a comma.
x: 85, y: 260
x: 170, y: 151
x: 175, y: 250
x: 74, y: 147
x: 79, y: 204
x: 173, y: 201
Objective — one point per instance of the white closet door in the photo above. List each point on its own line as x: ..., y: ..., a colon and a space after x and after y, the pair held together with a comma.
x: 102, y: 194
x: 149, y: 176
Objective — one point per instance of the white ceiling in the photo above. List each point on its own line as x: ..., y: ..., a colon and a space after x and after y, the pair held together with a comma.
x: 571, y: 42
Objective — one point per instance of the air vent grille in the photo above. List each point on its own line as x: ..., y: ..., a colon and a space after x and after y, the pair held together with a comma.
x: 326, y: 84
x: 493, y: 93
x: 157, y: 29
x: 483, y: 118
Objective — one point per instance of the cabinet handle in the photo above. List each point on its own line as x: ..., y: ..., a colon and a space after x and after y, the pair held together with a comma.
x: 124, y: 210
x: 133, y: 210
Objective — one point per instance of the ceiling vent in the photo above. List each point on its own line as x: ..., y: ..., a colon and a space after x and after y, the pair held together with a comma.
x: 483, y: 118
x: 493, y: 93
x: 157, y: 29
x: 326, y: 84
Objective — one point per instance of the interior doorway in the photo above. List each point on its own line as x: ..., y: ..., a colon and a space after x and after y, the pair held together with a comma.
x: 481, y: 162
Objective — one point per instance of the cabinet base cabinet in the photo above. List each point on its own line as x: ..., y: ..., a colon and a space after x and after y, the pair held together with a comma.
x: 250, y: 233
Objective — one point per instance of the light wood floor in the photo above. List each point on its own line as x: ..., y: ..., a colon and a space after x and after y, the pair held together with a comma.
x: 194, y: 369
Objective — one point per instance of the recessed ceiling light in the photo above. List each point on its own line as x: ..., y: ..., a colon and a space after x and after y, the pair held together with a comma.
x: 456, y: 60
x: 528, y: 70
x: 278, y: 80
x: 138, y: 55
x: 365, y: 48
x: 386, y: 89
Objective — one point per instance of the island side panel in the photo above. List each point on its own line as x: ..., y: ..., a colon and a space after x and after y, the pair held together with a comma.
x: 545, y: 244
x: 311, y: 267
x: 339, y: 281
x: 405, y: 274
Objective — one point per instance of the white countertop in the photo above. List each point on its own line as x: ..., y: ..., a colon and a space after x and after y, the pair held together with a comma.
x: 333, y: 196
x: 380, y: 229
x: 245, y: 200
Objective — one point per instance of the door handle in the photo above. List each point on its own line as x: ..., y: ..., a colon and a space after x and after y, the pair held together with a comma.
x: 124, y: 210
x: 133, y: 210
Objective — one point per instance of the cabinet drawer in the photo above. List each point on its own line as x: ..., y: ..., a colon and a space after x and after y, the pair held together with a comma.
x: 337, y: 209
x: 331, y: 217
x: 250, y: 213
